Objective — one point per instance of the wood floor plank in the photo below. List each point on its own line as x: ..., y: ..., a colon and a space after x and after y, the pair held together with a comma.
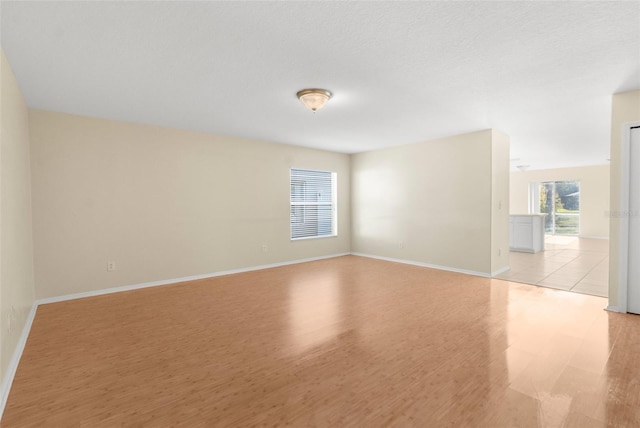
x: 348, y: 341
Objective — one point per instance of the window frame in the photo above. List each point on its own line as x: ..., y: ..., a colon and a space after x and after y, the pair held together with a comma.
x: 333, y: 204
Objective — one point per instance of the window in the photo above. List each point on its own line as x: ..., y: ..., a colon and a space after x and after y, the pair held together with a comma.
x: 313, y: 204
x: 560, y: 200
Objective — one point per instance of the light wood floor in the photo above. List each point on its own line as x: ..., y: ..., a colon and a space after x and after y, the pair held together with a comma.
x: 568, y: 263
x: 348, y: 341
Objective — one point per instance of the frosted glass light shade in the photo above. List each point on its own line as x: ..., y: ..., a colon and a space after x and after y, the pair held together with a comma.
x: 314, y: 99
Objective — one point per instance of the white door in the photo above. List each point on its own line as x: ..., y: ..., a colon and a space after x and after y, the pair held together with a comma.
x: 633, y: 260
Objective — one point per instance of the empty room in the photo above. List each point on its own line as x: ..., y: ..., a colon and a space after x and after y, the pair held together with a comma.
x: 328, y: 214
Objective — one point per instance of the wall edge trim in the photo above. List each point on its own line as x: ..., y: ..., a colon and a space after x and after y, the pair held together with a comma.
x: 12, y: 368
x: 422, y: 264
x: 139, y: 286
x: 499, y: 271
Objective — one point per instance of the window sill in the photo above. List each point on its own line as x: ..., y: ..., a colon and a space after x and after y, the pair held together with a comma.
x: 304, y: 238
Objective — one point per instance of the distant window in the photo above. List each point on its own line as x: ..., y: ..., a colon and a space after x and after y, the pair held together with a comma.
x: 560, y: 200
x: 313, y: 204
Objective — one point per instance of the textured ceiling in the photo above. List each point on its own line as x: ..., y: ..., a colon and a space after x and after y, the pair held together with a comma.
x: 401, y: 72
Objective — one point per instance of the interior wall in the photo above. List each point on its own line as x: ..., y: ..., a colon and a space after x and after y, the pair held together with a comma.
x: 16, y: 243
x: 594, y: 194
x: 163, y: 203
x: 499, y: 202
x: 625, y: 109
x: 427, y: 202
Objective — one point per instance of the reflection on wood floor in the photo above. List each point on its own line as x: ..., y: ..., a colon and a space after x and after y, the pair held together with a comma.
x: 348, y: 341
x: 568, y: 263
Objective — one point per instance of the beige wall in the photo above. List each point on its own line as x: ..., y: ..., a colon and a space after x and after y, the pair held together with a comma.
x: 499, y: 201
x: 16, y: 250
x: 163, y: 203
x: 625, y: 109
x: 427, y: 202
x: 594, y: 194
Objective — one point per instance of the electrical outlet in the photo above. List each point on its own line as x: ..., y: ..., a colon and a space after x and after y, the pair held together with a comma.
x: 111, y: 266
x: 401, y: 244
x: 264, y: 248
x: 499, y: 251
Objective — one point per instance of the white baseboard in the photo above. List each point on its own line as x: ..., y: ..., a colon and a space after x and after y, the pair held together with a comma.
x: 427, y: 265
x: 612, y: 308
x: 176, y: 280
x: 7, y: 381
x: 593, y: 237
x: 499, y: 271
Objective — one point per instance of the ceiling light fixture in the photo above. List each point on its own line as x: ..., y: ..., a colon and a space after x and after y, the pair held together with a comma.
x: 314, y: 99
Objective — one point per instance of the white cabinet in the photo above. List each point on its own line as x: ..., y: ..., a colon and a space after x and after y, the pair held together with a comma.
x: 526, y: 232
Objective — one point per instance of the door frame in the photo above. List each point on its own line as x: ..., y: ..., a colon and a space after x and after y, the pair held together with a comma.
x: 623, y: 242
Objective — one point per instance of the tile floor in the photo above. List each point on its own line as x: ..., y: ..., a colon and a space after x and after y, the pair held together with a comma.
x: 568, y: 263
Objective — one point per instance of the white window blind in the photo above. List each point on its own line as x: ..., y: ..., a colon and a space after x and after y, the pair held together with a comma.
x: 313, y: 203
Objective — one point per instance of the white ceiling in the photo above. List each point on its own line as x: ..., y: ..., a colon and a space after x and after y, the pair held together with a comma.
x: 401, y: 72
